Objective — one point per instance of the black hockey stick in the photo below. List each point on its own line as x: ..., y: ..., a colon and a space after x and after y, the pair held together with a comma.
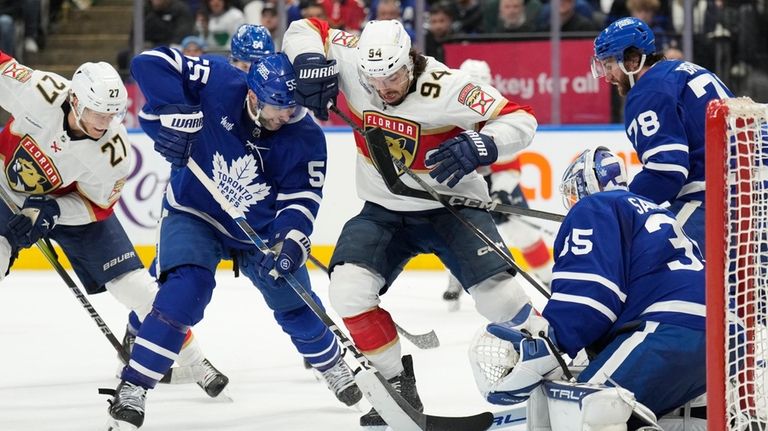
x: 424, y: 341
x: 392, y: 407
x: 383, y: 161
x: 50, y: 255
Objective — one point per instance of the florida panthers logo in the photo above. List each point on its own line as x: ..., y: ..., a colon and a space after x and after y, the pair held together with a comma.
x: 402, y: 136
x: 237, y: 182
x: 30, y: 170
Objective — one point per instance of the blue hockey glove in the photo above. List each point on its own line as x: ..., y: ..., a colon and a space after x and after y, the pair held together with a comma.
x: 37, y: 217
x: 178, y: 132
x: 289, y: 254
x: 536, y: 359
x: 317, y: 83
x: 461, y: 155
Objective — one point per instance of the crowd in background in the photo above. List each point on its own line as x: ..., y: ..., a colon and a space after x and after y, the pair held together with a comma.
x: 729, y: 35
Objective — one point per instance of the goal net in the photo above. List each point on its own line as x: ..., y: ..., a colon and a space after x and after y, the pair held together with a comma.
x: 737, y: 264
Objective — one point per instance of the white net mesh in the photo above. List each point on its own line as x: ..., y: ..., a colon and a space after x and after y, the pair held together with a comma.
x: 746, y: 265
x: 491, y: 359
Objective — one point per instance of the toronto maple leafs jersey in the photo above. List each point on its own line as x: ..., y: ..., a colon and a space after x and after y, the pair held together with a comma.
x: 664, y: 117
x: 267, y: 175
x: 444, y: 102
x: 621, y: 259
x: 40, y: 156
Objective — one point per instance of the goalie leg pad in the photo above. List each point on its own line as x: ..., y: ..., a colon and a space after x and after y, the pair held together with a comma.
x: 135, y: 289
x: 498, y: 298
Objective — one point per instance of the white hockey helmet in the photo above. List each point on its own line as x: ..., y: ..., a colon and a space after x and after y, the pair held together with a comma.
x: 478, y: 70
x: 384, y: 49
x: 98, y: 87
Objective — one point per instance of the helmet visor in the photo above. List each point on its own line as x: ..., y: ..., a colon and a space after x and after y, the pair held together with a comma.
x: 100, y: 120
x: 391, y: 81
x: 601, y: 68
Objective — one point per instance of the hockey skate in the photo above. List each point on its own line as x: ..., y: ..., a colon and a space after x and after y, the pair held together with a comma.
x: 453, y: 293
x: 127, y: 407
x: 212, y: 380
x: 129, y: 339
x: 405, y: 385
x: 341, y: 381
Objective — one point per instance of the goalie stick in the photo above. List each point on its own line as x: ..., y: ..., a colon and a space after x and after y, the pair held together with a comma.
x: 424, y: 341
x: 50, y: 255
x: 383, y: 159
x: 395, y: 410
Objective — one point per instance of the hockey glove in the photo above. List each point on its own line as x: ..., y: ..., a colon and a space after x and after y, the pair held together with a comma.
x: 460, y: 156
x: 289, y: 254
x: 37, y: 217
x: 178, y: 132
x: 536, y: 360
x: 317, y: 83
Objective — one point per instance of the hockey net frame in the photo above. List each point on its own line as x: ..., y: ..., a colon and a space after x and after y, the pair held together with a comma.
x: 737, y: 264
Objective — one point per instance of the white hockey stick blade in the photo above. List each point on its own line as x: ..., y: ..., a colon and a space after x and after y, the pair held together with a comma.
x: 508, y: 418
x: 115, y: 425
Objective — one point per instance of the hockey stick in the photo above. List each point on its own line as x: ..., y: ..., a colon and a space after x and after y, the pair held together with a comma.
x: 392, y: 407
x: 50, y: 255
x: 380, y: 155
x: 424, y: 341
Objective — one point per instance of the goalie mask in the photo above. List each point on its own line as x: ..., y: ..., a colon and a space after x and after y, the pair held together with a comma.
x: 593, y: 171
x: 272, y: 80
x: 98, y: 97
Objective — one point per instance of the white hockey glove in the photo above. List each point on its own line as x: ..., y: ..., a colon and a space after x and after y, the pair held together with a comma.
x: 510, y: 359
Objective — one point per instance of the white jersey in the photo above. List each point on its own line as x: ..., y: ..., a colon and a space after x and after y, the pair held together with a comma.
x: 443, y: 103
x: 39, y: 156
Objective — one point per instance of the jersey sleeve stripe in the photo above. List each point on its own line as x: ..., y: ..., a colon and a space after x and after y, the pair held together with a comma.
x: 150, y: 117
x: 584, y: 276
x: 583, y: 300
x: 175, y: 61
x: 299, y: 195
x: 299, y: 208
x: 684, y: 307
x: 693, y: 187
x: 667, y: 167
x: 664, y: 148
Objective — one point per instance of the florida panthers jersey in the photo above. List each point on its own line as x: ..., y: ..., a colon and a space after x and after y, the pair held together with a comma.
x: 664, y: 118
x: 443, y: 103
x: 267, y: 175
x: 40, y: 156
x: 621, y: 259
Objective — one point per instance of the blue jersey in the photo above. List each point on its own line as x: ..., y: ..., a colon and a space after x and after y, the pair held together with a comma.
x: 620, y: 260
x: 664, y: 118
x: 275, y: 178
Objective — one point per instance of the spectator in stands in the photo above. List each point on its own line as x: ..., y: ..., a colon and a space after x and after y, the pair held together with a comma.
x: 218, y: 23
x: 25, y: 11
x: 390, y: 9
x: 569, y: 19
x: 8, y: 10
x: 346, y: 15
x: 440, y: 24
x: 312, y: 9
x: 467, y: 16
x: 270, y: 21
x: 407, y: 13
x: 166, y: 22
x: 647, y: 11
x: 511, y: 16
x: 193, y: 46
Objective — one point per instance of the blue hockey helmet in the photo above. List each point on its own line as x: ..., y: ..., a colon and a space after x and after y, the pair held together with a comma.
x: 593, y: 171
x: 273, y: 80
x: 614, y: 40
x: 251, y: 42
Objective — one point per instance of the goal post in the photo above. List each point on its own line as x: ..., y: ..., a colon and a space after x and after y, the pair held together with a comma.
x: 737, y: 264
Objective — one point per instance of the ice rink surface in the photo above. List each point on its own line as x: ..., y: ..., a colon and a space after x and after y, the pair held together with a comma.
x: 53, y: 359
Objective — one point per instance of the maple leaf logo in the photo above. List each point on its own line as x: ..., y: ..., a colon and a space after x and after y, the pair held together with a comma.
x: 237, y: 182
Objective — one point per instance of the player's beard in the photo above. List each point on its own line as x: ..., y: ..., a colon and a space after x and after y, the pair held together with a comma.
x: 622, y: 85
